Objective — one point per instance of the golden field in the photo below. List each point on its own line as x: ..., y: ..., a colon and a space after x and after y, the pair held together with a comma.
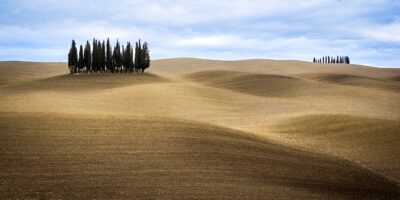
x: 200, y: 129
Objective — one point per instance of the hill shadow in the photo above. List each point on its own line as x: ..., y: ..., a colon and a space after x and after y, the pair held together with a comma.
x: 165, y: 158
x: 87, y: 82
x: 373, y: 142
x: 266, y: 85
x: 353, y: 80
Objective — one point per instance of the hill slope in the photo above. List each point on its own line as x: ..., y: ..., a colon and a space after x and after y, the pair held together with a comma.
x: 255, y: 84
x: 353, y: 80
x: 78, y: 156
x: 185, y: 129
x: 180, y: 66
x: 370, y: 141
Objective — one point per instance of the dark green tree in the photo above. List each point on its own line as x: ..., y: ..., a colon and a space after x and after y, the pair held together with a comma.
x: 99, y: 57
x: 117, y: 57
x: 73, y: 58
x: 81, y: 61
x: 123, y: 67
x: 138, y: 57
x: 103, y: 56
x: 131, y: 65
x: 94, y: 56
x: 146, y: 56
x: 109, y: 56
x: 128, y: 57
x: 87, y: 57
x: 347, y: 60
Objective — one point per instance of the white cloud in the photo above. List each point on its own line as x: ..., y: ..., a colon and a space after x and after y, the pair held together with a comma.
x: 385, y: 33
x: 222, y: 29
x: 222, y: 40
x: 32, y: 54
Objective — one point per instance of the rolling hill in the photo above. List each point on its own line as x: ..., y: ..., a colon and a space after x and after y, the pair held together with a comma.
x: 196, y: 128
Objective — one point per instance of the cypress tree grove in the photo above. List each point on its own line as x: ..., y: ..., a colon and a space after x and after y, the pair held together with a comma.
x: 333, y: 60
x: 102, y: 57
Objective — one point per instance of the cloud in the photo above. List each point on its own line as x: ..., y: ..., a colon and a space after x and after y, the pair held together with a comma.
x: 385, y: 33
x: 368, y: 32
x: 215, y: 41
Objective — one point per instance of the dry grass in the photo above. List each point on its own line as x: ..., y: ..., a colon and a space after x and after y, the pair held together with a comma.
x: 372, y: 142
x: 180, y: 66
x: 254, y: 84
x: 165, y: 134
x: 89, y: 82
x: 78, y: 156
x: 15, y: 72
x: 352, y: 80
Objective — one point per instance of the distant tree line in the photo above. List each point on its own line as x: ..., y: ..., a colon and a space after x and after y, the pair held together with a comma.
x: 332, y: 60
x: 101, y: 57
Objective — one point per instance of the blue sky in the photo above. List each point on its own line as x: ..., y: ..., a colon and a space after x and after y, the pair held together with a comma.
x: 367, y: 31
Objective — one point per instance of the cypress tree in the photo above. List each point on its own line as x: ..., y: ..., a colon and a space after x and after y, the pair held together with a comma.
x: 146, y: 56
x: 94, y: 56
x: 99, y: 57
x: 81, y: 62
x: 131, y: 65
x: 103, y: 56
x: 126, y: 57
x: 117, y: 56
x: 87, y: 57
x: 137, y: 57
x: 108, y: 56
x: 347, y: 60
x: 123, y: 66
x: 73, y: 58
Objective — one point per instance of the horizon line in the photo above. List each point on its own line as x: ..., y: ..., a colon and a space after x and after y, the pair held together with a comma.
x: 224, y: 60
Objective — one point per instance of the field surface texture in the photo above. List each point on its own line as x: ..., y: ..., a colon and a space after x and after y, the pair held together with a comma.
x: 200, y: 129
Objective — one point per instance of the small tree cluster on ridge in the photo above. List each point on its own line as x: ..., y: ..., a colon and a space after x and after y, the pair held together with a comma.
x: 101, y: 57
x: 333, y: 60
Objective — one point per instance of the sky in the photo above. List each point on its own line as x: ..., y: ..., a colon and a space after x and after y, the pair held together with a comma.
x: 366, y: 31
